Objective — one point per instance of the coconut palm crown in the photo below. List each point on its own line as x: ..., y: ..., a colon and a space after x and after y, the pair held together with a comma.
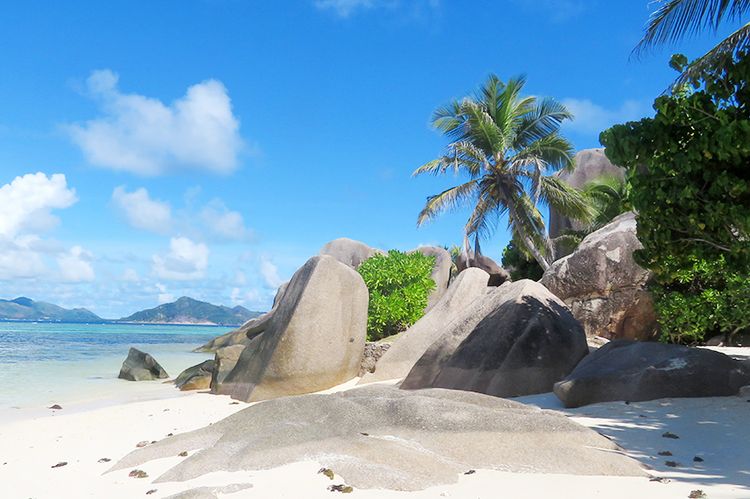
x: 676, y: 19
x: 505, y: 145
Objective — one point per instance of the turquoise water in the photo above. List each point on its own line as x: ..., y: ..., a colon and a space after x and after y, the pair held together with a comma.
x: 46, y: 363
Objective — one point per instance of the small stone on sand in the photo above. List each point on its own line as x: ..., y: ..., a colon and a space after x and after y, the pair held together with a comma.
x: 327, y: 472
x: 183, y: 454
x: 138, y: 474
x: 142, y: 443
x: 104, y: 460
x: 346, y: 489
x: 56, y: 407
x: 470, y: 472
x: 148, y: 493
x: 59, y: 465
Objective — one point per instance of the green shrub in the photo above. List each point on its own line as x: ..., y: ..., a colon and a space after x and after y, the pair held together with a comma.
x: 399, y: 285
x: 520, y: 265
x: 689, y: 173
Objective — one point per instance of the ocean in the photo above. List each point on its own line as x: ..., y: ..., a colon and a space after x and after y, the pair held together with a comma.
x: 48, y: 363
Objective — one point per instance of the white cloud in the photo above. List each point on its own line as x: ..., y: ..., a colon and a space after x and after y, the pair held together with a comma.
x: 185, y: 261
x: 19, y: 258
x: 75, y: 265
x: 590, y: 117
x: 130, y: 275
x: 143, y: 135
x: 223, y: 222
x: 164, y: 296
x: 141, y: 211
x: 270, y: 273
x: 26, y: 202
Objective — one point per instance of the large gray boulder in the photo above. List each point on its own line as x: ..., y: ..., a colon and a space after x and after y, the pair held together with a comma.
x: 225, y: 359
x: 313, y: 340
x: 470, y: 259
x: 634, y: 371
x: 348, y: 251
x: 590, y: 164
x: 441, y: 272
x: 140, y: 366
x: 525, y: 341
x: 603, y: 286
x: 384, y: 438
x: 197, y: 377
x: 410, y: 345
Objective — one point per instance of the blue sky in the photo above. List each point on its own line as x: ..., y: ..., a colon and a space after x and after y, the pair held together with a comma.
x: 207, y: 148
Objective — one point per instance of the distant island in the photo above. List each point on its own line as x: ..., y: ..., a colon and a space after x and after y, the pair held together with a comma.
x: 183, y: 311
x: 26, y: 309
x: 189, y: 311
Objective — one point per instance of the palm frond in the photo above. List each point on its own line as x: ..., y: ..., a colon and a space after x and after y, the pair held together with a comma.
x: 543, y: 120
x: 566, y: 200
x: 553, y: 151
x: 676, y: 19
x: 448, y: 200
x: 736, y: 42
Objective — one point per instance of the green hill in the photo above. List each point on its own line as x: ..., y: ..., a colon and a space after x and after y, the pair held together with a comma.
x: 26, y: 309
x: 189, y: 311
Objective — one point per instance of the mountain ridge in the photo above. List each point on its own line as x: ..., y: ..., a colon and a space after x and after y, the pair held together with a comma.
x: 186, y: 310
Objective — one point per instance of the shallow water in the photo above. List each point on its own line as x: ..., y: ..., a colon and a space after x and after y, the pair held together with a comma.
x: 47, y: 363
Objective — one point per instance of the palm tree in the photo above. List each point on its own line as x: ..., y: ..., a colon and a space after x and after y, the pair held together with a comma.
x: 676, y: 19
x: 608, y: 196
x: 506, y: 144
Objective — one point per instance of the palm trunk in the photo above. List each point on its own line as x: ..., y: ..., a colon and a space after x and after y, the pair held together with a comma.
x: 527, y: 241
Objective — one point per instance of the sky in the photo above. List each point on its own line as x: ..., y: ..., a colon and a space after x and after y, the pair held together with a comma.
x: 208, y: 148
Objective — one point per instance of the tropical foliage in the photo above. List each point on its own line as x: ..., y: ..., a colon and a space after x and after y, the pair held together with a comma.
x: 675, y: 19
x: 690, y: 183
x: 506, y: 145
x: 608, y: 197
x: 399, y: 285
x: 519, y: 264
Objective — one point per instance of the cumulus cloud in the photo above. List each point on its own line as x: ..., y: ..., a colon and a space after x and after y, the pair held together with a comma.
x: 145, y: 136
x: 164, y: 296
x: 26, y: 206
x: 26, y: 202
x: 270, y: 273
x: 130, y: 275
x: 591, y: 118
x: 143, y: 212
x: 186, y: 260
x: 75, y: 265
x: 223, y: 222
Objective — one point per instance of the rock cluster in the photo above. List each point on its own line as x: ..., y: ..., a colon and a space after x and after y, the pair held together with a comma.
x: 140, y: 366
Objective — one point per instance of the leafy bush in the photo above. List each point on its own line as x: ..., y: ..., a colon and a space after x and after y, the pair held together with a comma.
x: 399, y: 285
x: 689, y: 171
x: 520, y: 265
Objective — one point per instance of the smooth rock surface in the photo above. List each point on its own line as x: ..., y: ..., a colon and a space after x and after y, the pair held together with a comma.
x: 498, y: 275
x: 636, y: 371
x: 382, y: 437
x: 348, y: 251
x: 140, y: 366
x: 197, y: 377
x: 313, y: 340
x: 520, y: 340
x: 590, y: 165
x: 224, y: 361
x: 410, y: 345
x: 441, y: 272
x: 603, y: 286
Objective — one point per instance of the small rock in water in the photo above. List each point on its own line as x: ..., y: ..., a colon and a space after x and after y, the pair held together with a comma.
x: 142, y: 443
x: 470, y: 472
x: 327, y: 472
x: 149, y: 492
x: 697, y: 494
x: 346, y: 489
x: 104, y: 460
x: 56, y: 407
x: 697, y: 459
x: 59, y: 465
x: 669, y: 435
x: 665, y: 453
x: 138, y: 474
x: 671, y: 464
x: 183, y: 454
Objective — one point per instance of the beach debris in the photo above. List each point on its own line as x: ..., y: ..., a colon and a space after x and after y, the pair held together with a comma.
x: 668, y: 434
x: 165, y: 410
x: 170, y: 434
x: 149, y: 492
x: 153, y: 441
x: 659, y: 479
x: 672, y: 464
x: 364, y: 434
x: 183, y: 454
x: 138, y: 474
x: 470, y: 472
x: 237, y: 403
x: 665, y: 453
x: 697, y: 459
x: 142, y: 443
x: 345, y: 489
x: 55, y: 407
x: 104, y: 460
x: 59, y: 465
x: 697, y: 494
x: 327, y: 472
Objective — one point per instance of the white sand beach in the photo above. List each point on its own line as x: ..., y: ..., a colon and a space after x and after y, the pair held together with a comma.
x: 83, y: 436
